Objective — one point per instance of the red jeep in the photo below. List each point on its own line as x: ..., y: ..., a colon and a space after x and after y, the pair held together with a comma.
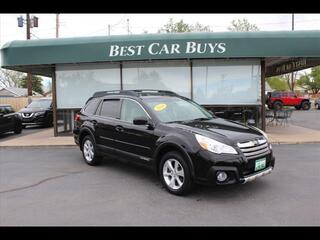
x: 276, y: 100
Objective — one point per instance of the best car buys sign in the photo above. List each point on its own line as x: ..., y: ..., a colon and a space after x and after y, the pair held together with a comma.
x: 158, y: 49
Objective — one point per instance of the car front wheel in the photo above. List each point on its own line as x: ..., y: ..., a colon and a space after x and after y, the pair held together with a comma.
x: 175, y: 174
x: 89, y: 151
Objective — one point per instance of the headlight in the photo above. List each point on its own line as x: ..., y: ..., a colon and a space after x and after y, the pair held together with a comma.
x: 214, y: 146
x: 39, y: 113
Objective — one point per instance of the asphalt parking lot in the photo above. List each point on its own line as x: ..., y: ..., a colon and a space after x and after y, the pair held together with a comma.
x: 53, y: 186
x: 307, y: 119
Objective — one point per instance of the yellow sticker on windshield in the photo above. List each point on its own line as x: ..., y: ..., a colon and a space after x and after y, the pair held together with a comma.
x: 160, y: 107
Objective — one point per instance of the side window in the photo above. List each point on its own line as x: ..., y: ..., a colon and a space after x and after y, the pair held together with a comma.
x: 292, y: 95
x: 131, y: 110
x: 110, y: 108
x: 2, y: 110
x: 10, y: 110
x: 91, y: 107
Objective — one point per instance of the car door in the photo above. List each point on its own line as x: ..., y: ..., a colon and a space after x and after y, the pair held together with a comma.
x: 2, y: 120
x: 105, y: 121
x: 135, y: 141
x: 7, y: 118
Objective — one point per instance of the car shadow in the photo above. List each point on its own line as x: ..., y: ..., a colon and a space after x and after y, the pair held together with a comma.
x: 199, y: 192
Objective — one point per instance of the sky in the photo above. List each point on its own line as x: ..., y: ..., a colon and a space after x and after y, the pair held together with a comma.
x: 76, y: 25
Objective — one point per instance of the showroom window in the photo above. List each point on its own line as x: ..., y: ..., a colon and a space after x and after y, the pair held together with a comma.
x: 76, y: 83
x: 227, y: 82
x: 163, y: 75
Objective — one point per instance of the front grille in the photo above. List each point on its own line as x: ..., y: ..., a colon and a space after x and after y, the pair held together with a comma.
x: 255, y: 148
x: 27, y: 115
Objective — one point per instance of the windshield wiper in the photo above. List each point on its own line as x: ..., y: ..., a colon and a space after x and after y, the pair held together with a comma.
x: 201, y: 119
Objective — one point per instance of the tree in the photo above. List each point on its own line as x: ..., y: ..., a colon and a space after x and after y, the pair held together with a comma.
x: 290, y: 83
x: 36, y: 83
x: 311, y: 81
x: 9, y: 78
x: 278, y: 83
x: 242, y: 25
x: 175, y: 27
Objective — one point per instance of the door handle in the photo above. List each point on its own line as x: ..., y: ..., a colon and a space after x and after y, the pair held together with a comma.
x: 119, y: 129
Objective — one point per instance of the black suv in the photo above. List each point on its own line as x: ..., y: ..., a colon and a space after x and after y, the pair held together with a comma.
x: 38, y: 112
x: 9, y: 120
x: 179, y: 139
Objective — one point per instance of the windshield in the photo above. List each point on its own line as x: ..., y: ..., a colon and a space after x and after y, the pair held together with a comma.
x: 175, y: 109
x: 40, y: 104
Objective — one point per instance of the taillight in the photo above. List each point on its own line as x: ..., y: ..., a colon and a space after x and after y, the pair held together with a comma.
x: 77, y: 117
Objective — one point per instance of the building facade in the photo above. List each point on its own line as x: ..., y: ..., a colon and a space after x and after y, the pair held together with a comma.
x: 225, y: 72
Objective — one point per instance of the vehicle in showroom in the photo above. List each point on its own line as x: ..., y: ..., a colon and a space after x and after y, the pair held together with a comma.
x: 38, y: 112
x: 277, y: 99
x: 9, y: 120
x: 179, y: 139
x: 317, y: 103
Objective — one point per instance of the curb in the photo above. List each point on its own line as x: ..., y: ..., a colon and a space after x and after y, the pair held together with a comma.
x: 282, y: 143
x: 41, y: 146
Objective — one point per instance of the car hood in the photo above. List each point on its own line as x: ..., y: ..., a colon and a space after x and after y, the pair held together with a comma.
x: 221, y: 130
x: 32, y: 110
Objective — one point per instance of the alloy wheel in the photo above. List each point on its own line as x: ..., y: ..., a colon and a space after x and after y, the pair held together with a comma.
x: 88, y: 150
x: 173, y: 174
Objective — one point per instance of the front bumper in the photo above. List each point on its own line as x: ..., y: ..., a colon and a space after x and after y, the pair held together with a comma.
x: 238, y: 169
x: 254, y: 176
x: 35, y: 120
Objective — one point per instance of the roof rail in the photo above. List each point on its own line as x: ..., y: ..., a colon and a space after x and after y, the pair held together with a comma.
x: 136, y: 92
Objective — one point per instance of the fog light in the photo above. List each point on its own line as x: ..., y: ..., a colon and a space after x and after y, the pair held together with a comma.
x: 221, y: 176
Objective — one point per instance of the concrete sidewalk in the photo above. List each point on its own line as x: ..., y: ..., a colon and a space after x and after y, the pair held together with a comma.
x: 42, y: 138
x: 289, y: 134
x: 292, y: 134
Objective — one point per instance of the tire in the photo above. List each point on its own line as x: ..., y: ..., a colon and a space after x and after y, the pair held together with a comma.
x: 177, y: 170
x: 18, y: 128
x: 297, y: 107
x: 305, y: 105
x: 89, y: 152
x: 277, y: 105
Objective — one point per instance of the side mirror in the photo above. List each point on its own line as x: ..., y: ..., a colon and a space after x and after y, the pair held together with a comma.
x: 143, y: 121
x: 140, y: 121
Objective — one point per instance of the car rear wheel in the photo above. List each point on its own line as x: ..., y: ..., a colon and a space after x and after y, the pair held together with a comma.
x: 175, y: 174
x: 305, y: 106
x: 277, y: 105
x: 89, y: 151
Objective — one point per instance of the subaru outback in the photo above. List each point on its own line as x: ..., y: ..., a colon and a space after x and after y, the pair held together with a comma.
x: 177, y: 138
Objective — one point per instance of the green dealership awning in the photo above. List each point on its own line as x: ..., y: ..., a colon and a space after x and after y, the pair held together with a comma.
x: 284, y: 51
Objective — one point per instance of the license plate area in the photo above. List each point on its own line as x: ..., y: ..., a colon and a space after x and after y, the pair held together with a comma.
x: 260, y: 164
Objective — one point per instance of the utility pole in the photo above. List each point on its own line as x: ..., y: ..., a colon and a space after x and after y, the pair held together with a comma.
x: 292, y: 82
x: 108, y: 29
x: 29, y: 76
x: 57, y: 25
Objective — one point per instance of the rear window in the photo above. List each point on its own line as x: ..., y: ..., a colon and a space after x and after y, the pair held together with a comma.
x: 91, y: 107
x: 110, y: 108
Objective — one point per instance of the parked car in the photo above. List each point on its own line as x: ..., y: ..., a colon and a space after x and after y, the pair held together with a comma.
x: 179, y: 139
x: 317, y: 103
x: 38, y: 112
x: 9, y: 120
x: 277, y: 99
